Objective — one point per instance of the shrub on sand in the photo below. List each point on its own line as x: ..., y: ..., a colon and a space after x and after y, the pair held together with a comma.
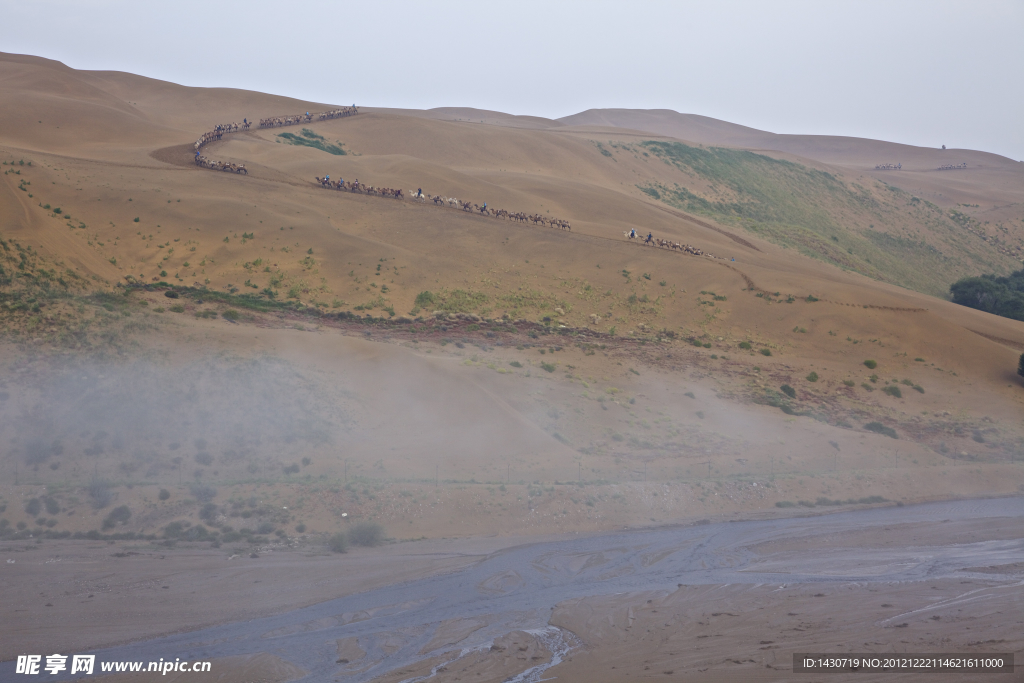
x: 338, y: 543
x: 367, y: 533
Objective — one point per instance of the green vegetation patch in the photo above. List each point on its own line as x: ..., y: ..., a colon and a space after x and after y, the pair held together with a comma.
x: 1002, y: 296
x: 827, y: 217
x: 879, y: 428
x: 308, y: 138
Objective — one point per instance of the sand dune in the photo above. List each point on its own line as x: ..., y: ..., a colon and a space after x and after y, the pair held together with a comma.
x: 244, y: 365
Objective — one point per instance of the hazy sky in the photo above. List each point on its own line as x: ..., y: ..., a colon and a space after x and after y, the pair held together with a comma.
x: 925, y: 73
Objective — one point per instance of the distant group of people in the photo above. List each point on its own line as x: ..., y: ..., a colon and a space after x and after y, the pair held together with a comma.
x: 217, y: 133
x: 232, y: 127
x: 356, y: 186
x: 889, y: 167
x: 668, y: 244
x: 220, y: 129
x: 951, y: 167
x: 438, y: 200
x: 275, y: 121
x: 220, y: 165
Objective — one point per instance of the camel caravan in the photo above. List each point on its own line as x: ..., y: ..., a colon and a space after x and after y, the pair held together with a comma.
x: 951, y: 167
x: 419, y: 196
x: 438, y: 200
x: 668, y: 244
x: 220, y: 165
x: 356, y: 186
x: 220, y: 129
x: 889, y: 167
x: 276, y: 121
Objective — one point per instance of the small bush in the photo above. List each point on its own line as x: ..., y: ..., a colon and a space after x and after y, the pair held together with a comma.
x: 33, y: 507
x: 893, y: 390
x: 265, y: 528
x: 231, y: 314
x: 119, y: 515
x: 788, y: 390
x: 871, y: 365
x: 136, y: 220
x: 300, y: 528
x: 100, y: 493
x: 202, y: 492
x: 367, y: 533
x: 879, y: 428
x: 918, y: 388
x: 208, y: 513
x: 849, y: 382
x: 338, y: 543
x: 52, y: 505
x: 766, y: 352
x: 291, y: 469
x: 813, y: 377
x: 785, y: 504
x: 164, y: 494
x: 177, y: 309
x: 425, y: 299
x: 1020, y: 365
x: 516, y: 364
x: 204, y: 459
x: 745, y: 345
x: 548, y: 367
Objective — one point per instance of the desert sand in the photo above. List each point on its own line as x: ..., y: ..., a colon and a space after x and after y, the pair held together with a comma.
x: 477, y: 385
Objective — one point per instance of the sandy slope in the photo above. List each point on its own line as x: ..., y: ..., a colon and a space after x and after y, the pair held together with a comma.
x: 396, y: 410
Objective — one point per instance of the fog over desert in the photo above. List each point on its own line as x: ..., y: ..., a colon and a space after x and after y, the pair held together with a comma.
x: 334, y: 392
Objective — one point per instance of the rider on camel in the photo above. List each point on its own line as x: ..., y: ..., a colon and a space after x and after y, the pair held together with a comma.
x: 650, y: 236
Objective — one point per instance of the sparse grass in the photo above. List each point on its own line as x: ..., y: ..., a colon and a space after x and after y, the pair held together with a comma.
x: 879, y: 428
x: 338, y: 543
x: 100, y: 493
x: 307, y: 138
x: 202, y: 492
x: 368, y: 534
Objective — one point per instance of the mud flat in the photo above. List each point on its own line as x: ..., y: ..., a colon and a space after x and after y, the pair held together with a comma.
x: 725, y: 600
